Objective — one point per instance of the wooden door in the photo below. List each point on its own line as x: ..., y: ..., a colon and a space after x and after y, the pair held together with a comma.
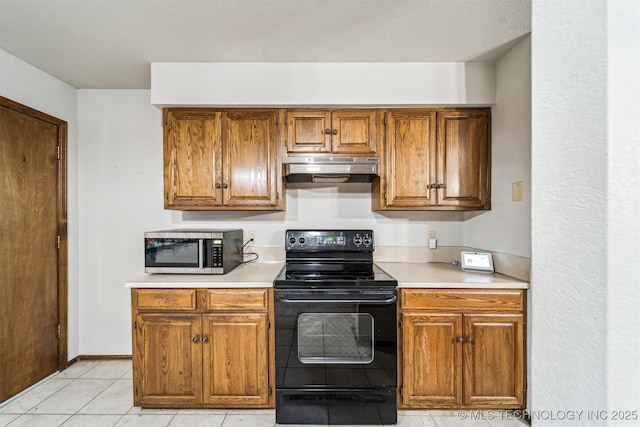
x: 432, y: 360
x: 170, y: 357
x: 410, y: 158
x: 463, y: 159
x: 494, y: 360
x: 192, y: 156
x: 308, y: 131
x: 32, y: 228
x: 355, y: 132
x: 250, y: 151
x: 236, y: 360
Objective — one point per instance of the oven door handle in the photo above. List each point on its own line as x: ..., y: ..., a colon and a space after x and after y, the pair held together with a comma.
x: 338, y: 301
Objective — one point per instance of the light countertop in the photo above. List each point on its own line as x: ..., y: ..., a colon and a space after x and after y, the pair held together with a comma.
x: 249, y: 275
x: 442, y: 275
x: 261, y: 275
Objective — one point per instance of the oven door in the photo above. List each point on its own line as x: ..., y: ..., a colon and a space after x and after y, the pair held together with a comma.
x: 335, y: 338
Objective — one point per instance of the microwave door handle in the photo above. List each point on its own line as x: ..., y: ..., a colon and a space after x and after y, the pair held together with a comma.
x: 201, y: 253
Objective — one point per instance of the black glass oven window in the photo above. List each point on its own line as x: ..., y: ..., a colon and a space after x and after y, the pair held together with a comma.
x: 335, y: 338
x: 172, y: 252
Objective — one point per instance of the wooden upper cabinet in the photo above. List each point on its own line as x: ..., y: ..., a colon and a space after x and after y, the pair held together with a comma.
x: 250, y: 159
x: 222, y: 159
x: 463, y: 159
x: 408, y: 166
x: 435, y: 159
x: 192, y: 155
x: 345, y: 132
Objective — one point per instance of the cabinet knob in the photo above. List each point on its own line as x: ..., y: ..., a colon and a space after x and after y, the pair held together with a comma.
x: 335, y: 131
x: 218, y: 185
x: 460, y: 340
x: 440, y: 185
x: 196, y: 339
x: 327, y: 131
x: 433, y: 186
x: 205, y: 339
x: 470, y: 340
x: 224, y: 185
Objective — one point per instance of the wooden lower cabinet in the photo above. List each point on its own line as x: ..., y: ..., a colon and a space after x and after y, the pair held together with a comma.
x: 202, y: 354
x: 462, y: 349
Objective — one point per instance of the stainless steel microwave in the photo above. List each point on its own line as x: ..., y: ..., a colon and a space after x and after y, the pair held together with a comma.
x: 186, y: 251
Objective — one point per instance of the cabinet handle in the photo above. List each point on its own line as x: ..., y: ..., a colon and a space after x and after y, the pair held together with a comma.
x: 335, y: 131
x: 218, y: 185
x: 470, y: 340
x: 460, y: 340
x: 205, y: 339
x: 433, y: 186
x: 196, y: 339
x: 224, y: 185
x: 327, y: 131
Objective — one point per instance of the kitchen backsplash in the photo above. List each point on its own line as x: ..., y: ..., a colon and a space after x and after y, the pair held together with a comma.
x: 507, y: 264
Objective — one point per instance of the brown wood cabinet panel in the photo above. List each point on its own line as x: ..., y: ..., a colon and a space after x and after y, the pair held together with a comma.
x: 435, y: 159
x: 218, y: 356
x: 222, y: 159
x: 355, y: 132
x: 494, y: 360
x: 192, y: 156
x: 250, y: 165
x: 344, y: 132
x: 409, y: 158
x: 236, y: 299
x: 467, y: 300
x: 463, y: 158
x: 236, y: 360
x: 306, y: 131
x: 432, y: 359
x: 169, y: 360
x: 164, y: 299
x: 482, y: 330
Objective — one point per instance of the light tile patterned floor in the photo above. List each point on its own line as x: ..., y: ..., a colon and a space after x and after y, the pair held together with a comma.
x: 98, y: 393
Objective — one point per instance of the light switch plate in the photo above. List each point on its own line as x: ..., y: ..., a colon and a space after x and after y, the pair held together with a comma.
x: 477, y: 261
x: 517, y: 191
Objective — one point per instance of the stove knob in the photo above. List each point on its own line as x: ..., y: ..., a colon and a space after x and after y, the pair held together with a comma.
x: 301, y: 240
x: 357, y: 240
x: 292, y: 240
x: 367, y: 240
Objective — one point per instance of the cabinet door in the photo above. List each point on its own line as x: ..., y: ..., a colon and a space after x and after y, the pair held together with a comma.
x: 432, y: 360
x: 354, y: 132
x: 409, y: 159
x: 236, y: 360
x: 192, y: 159
x: 169, y: 353
x: 463, y: 159
x: 250, y: 177
x: 308, y: 131
x: 494, y: 360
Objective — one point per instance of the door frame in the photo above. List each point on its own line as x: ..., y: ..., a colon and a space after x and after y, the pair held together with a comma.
x: 61, y: 220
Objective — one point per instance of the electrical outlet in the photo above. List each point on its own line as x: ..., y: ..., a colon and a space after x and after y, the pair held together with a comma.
x: 252, y: 236
x: 431, y: 235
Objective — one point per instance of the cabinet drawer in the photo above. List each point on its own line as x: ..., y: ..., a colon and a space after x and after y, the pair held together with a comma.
x: 236, y: 299
x: 467, y: 300
x: 166, y: 299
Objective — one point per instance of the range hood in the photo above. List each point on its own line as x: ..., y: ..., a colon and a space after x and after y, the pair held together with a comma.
x: 330, y: 169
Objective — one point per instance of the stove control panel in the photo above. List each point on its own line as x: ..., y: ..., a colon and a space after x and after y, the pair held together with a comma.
x: 329, y: 240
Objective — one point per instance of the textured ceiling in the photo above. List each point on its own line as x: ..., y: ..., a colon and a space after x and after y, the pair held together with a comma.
x: 111, y: 43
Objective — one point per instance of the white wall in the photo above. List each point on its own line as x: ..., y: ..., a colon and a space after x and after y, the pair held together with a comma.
x: 29, y: 86
x: 507, y: 227
x: 585, y: 208
x: 256, y: 84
